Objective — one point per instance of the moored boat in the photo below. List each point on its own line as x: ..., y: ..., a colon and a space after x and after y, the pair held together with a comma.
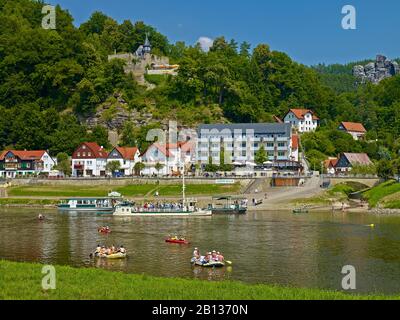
x: 300, y: 210
x: 228, y: 205
x: 104, y: 205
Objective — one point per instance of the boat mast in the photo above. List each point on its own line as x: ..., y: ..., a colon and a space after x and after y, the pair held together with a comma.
x: 183, y: 186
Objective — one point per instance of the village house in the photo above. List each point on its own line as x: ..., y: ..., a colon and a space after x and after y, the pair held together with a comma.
x: 168, y: 159
x: 356, y: 130
x: 15, y: 163
x: 346, y: 161
x: 89, y: 160
x: 295, y: 155
x: 127, y: 158
x: 303, y: 120
x: 330, y: 166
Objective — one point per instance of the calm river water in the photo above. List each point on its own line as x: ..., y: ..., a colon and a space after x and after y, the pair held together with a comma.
x: 265, y: 247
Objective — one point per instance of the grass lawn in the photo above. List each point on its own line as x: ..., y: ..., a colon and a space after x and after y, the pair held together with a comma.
x: 78, y: 191
x: 27, y: 202
x: 198, y: 190
x: 23, y: 281
x: 339, y: 192
x: 126, y: 191
x: 387, y: 193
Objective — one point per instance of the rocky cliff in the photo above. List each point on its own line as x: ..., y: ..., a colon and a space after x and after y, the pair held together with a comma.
x: 115, y: 112
x: 376, y: 71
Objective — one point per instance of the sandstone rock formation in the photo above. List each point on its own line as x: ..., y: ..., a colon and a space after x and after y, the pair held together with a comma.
x: 113, y: 114
x: 376, y: 71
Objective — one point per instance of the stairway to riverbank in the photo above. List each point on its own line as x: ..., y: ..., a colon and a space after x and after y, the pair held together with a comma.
x: 259, y: 185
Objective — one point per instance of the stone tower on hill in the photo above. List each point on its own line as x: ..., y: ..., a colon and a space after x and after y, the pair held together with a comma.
x: 138, y: 62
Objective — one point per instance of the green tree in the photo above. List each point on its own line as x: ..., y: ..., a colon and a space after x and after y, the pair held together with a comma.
x: 385, y: 170
x: 64, y: 164
x: 139, y: 167
x: 113, y: 167
x: 159, y: 167
x: 99, y: 134
x: 261, y: 156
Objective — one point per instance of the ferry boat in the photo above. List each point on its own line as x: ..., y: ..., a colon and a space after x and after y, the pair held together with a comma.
x: 228, y: 205
x: 103, y: 205
x: 186, y: 208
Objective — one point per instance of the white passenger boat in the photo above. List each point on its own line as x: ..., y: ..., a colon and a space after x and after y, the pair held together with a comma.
x: 186, y: 208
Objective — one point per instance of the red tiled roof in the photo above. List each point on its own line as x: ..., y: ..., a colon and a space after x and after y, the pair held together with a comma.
x: 295, y: 141
x: 166, y: 148
x: 354, y: 127
x: 97, y: 151
x: 331, y: 163
x: 127, y: 153
x: 300, y: 113
x: 25, y: 155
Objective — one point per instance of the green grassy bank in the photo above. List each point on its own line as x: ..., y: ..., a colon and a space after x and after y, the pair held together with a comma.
x: 126, y: 191
x: 23, y: 281
x: 386, y: 195
x: 337, y: 193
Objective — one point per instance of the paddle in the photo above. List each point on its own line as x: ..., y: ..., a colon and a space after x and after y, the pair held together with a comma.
x: 229, y: 263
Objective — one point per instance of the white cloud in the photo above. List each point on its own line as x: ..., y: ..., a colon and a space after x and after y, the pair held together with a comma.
x: 205, y: 43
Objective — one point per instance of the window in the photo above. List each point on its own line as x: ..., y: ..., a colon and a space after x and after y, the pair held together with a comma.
x: 79, y: 154
x: 281, y: 154
x: 281, y: 144
x: 89, y: 154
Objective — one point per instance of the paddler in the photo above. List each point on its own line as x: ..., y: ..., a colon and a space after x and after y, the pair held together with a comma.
x: 98, y: 250
x: 196, y: 253
x: 122, y: 249
x: 214, y: 256
x: 220, y: 257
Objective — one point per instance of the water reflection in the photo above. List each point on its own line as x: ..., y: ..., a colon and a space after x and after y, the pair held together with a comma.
x: 278, y: 248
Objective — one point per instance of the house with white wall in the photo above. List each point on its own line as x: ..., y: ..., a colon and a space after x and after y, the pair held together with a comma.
x: 17, y: 163
x: 89, y: 160
x: 127, y: 158
x: 295, y: 155
x: 172, y: 157
x: 303, y: 120
x: 356, y: 130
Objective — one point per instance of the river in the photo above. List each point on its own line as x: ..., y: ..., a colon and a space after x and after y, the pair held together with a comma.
x: 265, y: 247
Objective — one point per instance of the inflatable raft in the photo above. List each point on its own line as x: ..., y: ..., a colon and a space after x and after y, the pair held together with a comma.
x: 177, y: 241
x: 114, y: 256
x: 211, y: 264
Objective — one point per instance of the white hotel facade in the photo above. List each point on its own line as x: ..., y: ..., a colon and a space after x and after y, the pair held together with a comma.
x: 240, y: 142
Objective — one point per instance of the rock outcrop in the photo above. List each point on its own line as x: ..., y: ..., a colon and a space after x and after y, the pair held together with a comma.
x: 376, y: 71
x: 113, y: 114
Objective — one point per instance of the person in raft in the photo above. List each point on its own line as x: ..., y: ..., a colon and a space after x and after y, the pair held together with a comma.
x: 196, y: 253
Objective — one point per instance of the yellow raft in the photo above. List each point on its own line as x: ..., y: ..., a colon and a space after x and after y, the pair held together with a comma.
x: 114, y: 256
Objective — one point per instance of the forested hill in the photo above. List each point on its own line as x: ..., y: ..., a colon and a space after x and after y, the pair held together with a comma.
x: 339, y: 77
x: 51, y: 78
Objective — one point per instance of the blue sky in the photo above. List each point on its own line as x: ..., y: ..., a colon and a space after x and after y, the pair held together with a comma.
x: 309, y: 31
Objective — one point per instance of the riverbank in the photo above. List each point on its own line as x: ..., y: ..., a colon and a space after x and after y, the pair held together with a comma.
x: 22, y: 281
